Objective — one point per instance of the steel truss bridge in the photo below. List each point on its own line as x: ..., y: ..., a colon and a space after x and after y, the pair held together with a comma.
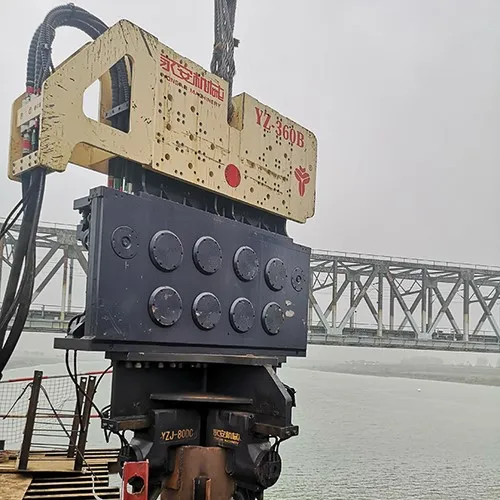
x: 354, y: 299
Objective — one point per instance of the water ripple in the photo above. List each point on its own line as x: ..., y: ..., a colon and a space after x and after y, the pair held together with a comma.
x: 369, y: 438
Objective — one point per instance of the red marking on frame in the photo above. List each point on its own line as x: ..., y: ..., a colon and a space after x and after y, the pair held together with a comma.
x: 303, y: 178
x: 135, y: 473
x: 184, y: 74
x: 281, y: 129
x: 233, y: 176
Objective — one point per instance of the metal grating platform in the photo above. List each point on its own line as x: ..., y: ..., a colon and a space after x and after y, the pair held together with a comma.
x: 57, y: 484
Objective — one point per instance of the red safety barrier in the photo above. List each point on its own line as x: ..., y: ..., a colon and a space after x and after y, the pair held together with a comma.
x: 135, y: 480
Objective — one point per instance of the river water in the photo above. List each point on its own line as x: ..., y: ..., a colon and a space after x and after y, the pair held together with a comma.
x: 364, y: 437
x: 381, y: 438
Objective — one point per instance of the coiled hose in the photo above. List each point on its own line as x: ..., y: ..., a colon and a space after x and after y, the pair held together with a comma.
x: 19, y: 290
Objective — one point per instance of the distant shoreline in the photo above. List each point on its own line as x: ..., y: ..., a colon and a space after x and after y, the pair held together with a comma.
x: 441, y: 373
x: 33, y: 360
x: 461, y: 374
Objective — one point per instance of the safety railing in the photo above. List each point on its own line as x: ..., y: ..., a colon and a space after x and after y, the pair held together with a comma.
x: 47, y: 413
x: 316, y: 253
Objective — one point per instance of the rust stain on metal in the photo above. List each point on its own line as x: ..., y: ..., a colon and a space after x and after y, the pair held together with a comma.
x: 193, y: 463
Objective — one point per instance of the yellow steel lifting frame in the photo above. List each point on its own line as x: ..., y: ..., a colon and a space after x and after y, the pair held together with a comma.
x: 178, y: 127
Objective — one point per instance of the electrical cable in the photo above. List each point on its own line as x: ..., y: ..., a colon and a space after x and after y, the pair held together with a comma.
x: 61, y: 423
x: 22, y: 299
x: 74, y: 378
x: 26, y: 239
x: 73, y: 319
x: 100, y: 379
x: 40, y: 61
x: 75, y: 382
x: 77, y: 387
x: 8, y: 223
x: 20, y: 251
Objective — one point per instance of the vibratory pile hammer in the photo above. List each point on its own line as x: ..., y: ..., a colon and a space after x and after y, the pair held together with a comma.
x: 195, y: 292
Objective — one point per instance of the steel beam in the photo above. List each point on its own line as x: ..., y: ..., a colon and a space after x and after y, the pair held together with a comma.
x: 380, y: 304
x: 389, y: 298
x: 407, y: 292
x: 56, y: 246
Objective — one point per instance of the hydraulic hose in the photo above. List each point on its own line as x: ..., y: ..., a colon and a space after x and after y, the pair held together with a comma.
x: 20, y: 251
x: 39, y: 58
x: 19, y: 290
x: 25, y: 292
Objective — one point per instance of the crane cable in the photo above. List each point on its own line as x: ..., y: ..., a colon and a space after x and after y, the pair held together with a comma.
x: 224, y: 44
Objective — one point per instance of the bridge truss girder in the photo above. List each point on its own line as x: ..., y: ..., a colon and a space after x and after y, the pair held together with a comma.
x: 57, y: 249
x: 350, y: 295
x: 402, y: 298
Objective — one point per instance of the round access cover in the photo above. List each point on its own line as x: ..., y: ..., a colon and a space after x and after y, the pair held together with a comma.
x: 207, y: 310
x: 242, y: 315
x: 275, y: 274
x: 246, y: 263
x: 165, y: 306
x: 272, y: 318
x: 207, y: 255
x: 166, y: 251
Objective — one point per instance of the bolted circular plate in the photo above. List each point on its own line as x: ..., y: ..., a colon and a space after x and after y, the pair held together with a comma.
x: 246, y: 263
x: 207, y: 310
x: 275, y: 274
x: 165, y: 306
x: 298, y: 279
x: 207, y: 255
x: 125, y: 242
x: 272, y: 318
x: 242, y: 315
x: 166, y: 251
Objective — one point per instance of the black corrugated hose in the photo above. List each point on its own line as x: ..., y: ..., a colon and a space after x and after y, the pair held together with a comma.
x: 17, y: 298
x: 19, y: 290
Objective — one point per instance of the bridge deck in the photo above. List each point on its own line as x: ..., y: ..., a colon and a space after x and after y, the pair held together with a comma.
x: 403, y: 343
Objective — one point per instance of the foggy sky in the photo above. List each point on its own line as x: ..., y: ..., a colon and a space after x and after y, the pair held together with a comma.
x: 403, y: 96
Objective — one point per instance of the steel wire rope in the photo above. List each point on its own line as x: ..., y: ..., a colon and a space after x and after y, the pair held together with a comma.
x: 224, y: 44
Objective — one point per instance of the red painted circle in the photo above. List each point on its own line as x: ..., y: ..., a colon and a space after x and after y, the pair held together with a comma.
x: 233, y: 176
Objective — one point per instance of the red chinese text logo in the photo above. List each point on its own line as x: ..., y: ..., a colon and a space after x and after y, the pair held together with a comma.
x: 303, y: 178
x: 194, y: 79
